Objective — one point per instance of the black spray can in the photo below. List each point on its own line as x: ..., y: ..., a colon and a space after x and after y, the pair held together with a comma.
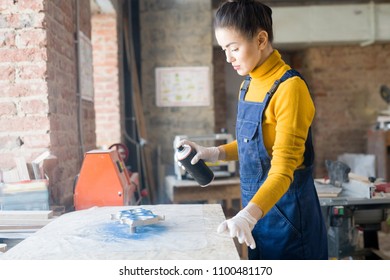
x: 199, y: 171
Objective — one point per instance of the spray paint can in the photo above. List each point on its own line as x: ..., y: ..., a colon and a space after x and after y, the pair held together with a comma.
x: 199, y: 171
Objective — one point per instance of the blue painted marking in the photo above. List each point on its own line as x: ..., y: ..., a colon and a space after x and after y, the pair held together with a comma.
x: 115, y: 231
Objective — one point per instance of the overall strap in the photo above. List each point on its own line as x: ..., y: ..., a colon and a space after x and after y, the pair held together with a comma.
x: 289, y: 74
x: 245, y: 87
x: 309, y: 150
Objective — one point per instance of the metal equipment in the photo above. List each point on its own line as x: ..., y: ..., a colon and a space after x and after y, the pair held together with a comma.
x: 220, y: 169
x: 136, y: 218
x: 346, y: 216
x: 103, y: 181
x: 356, y: 208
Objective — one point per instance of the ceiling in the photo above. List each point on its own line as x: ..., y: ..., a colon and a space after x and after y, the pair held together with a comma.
x: 101, y: 6
x: 274, y: 3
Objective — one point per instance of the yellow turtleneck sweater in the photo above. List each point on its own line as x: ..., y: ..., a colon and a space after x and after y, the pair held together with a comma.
x: 287, y: 119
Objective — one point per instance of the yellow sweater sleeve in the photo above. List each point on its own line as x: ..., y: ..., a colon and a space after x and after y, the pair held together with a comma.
x: 231, y: 150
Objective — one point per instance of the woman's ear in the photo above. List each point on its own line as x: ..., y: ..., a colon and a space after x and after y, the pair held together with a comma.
x: 262, y: 39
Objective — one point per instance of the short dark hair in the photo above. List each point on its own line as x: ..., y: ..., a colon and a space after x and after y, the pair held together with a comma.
x: 245, y: 16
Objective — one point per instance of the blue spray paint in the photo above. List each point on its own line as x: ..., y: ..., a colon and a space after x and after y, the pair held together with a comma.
x: 115, y: 230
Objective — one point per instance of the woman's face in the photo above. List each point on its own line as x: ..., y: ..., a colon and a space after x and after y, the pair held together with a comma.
x: 244, y: 54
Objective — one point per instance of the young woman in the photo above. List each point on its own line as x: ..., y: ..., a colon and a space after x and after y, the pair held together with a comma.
x: 281, y: 216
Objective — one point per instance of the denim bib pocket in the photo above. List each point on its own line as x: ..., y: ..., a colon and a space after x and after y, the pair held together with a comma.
x: 248, y: 149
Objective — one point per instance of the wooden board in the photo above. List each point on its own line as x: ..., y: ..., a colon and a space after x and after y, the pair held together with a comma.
x: 24, y: 222
x: 325, y: 189
x: 23, y: 215
x: 146, y: 164
x: 18, y: 229
x: 15, y: 221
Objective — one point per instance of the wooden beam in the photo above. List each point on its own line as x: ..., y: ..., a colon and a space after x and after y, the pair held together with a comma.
x: 147, y: 168
x: 24, y: 215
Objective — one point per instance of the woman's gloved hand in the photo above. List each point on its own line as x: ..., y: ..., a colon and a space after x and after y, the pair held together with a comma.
x: 210, y: 154
x: 242, y: 224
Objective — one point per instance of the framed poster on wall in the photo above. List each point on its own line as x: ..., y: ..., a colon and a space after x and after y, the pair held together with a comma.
x: 182, y: 86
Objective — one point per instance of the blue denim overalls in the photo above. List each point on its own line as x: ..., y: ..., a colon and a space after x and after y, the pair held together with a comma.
x: 294, y: 228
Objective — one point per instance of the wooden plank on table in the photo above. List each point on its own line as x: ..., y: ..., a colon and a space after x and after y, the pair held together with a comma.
x: 326, y: 189
x: 16, y: 228
x: 15, y: 231
x: 25, y: 215
x: 25, y: 222
x: 357, y: 177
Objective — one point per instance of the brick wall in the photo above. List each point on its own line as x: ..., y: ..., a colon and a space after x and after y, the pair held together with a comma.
x: 68, y: 140
x: 106, y: 84
x: 38, y: 104
x: 24, y: 108
x: 345, y: 82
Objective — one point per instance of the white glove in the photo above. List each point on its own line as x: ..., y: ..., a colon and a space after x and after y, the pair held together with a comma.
x: 240, y: 226
x: 210, y: 154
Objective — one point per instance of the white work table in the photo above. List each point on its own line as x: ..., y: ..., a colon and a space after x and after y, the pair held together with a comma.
x: 188, y: 232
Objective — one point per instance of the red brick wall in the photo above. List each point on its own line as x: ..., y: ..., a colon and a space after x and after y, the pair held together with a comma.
x: 345, y: 82
x: 66, y: 140
x: 38, y: 84
x: 105, y: 63
x: 24, y: 122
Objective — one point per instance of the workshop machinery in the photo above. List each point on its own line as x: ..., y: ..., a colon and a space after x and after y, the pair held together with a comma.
x: 347, y: 218
x: 358, y: 208
x: 104, y: 181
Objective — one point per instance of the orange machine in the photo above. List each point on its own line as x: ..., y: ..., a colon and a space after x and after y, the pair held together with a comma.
x: 103, y: 181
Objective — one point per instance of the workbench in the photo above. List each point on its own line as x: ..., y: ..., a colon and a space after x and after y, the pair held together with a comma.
x: 221, y: 189
x: 347, y: 213
x: 187, y: 232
